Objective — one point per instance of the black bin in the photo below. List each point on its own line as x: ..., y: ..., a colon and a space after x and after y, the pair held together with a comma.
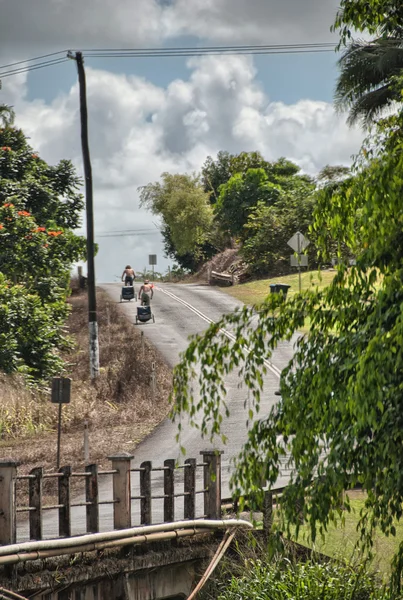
x: 279, y: 288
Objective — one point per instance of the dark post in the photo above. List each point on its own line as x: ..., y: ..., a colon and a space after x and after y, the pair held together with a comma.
x: 212, y: 483
x: 169, y: 490
x: 35, y: 501
x: 91, y: 495
x: 92, y: 304
x: 59, y: 436
x: 190, y: 488
x: 122, y: 515
x: 145, y: 493
x: 267, y: 515
x: 8, y: 473
x: 64, y: 501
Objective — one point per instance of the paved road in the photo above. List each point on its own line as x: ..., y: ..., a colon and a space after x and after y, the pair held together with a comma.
x: 182, y: 310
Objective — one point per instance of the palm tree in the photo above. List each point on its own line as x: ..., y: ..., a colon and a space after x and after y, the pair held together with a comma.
x: 367, y: 83
x: 7, y: 115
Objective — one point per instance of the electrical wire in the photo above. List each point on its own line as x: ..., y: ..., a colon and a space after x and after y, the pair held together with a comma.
x: 22, y: 62
x: 111, y: 235
x: 21, y: 66
x: 33, y: 67
x: 209, y: 50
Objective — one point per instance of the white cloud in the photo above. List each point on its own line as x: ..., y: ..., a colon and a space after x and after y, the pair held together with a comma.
x: 138, y: 130
x: 33, y: 27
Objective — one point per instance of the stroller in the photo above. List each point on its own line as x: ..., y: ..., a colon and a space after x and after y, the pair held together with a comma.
x: 144, y: 314
x: 128, y: 293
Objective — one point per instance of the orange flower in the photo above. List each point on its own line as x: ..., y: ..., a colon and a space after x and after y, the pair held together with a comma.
x: 38, y: 229
x: 34, y: 156
x: 46, y: 245
x: 1, y: 226
x: 6, y: 148
x: 55, y: 233
x: 8, y: 205
x: 24, y: 213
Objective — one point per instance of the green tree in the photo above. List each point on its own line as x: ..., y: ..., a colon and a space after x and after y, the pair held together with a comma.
x: 269, y: 228
x: 367, y: 84
x: 217, y: 172
x: 339, y: 420
x: 39, y: 207
x: 384, y: 17
x: 184, y: 208
x: 242, y: 193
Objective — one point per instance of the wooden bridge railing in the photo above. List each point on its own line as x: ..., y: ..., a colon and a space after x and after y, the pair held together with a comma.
x: 122, y: 499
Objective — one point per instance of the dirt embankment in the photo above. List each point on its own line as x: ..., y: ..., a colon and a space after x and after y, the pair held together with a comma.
x: 120, y: 408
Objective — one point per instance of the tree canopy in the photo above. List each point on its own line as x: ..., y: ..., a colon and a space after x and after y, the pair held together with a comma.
x: 39, y: 206
x: 339, y: 420
x: 384, y: 17
x: 184, y: 208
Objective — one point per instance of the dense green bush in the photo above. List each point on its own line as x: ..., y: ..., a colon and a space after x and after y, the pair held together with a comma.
x: 39, y: 207
x: 285, y: 580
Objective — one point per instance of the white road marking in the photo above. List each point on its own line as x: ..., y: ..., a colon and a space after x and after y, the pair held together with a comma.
x: 275, y: 370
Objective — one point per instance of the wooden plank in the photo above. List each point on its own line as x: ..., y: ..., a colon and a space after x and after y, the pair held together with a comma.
x: 212, y: 483
x: 35, y: 501
x: 190, y: 489
x: 91, y: 495
x: 267, y: 515
x: 169, y: 490
x: 145, y: 493
x: 121, y: 490
x: 64, y: 499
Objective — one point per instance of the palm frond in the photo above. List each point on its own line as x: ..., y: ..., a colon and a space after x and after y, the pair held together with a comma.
x: 367, y: 78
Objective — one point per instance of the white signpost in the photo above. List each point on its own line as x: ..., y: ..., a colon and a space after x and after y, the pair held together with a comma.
x: 299, y: 243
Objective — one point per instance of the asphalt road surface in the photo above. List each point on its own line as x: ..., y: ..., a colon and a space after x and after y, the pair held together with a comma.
x: 180, y: 311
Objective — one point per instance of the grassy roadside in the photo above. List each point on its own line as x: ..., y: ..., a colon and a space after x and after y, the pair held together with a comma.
x: 255, y: 292
x: 340, y: 540
x: 120, y: 408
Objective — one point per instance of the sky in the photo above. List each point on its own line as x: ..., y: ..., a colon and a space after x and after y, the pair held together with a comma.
x: 151, y: 115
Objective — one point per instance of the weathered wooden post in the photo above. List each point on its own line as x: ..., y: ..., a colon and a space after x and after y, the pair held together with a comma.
x: 91, y: 496
x: 64, y: 501
x: 145, y: 493
x: 212, y: 483
x: 190, y: 488
x: 267, y: 515
x: 35, y: 502
x: 8, y: 473
x: 122, y: 517
x: 169, y: 490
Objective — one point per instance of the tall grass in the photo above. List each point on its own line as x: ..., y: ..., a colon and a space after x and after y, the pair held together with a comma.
x: 121, y: 394
x: 284, y: 579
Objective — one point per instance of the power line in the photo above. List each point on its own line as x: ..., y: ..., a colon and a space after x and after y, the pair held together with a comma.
x: 22, y: 62
x: 21, y: 66
x: 128, y: 234
x: 208, y: 50
x: 42, y: 65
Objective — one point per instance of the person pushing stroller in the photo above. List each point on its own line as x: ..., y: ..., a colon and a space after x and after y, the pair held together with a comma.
x: 146, y: 293
x: 128, y: 275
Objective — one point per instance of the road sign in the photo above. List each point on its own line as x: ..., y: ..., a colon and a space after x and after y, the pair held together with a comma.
x: 298, y: 242
x: 61, y: 390
x: 301, y: 260
x: 152, y: 259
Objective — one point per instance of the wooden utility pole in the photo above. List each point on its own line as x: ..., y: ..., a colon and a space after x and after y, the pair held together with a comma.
x: 89, y: 206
